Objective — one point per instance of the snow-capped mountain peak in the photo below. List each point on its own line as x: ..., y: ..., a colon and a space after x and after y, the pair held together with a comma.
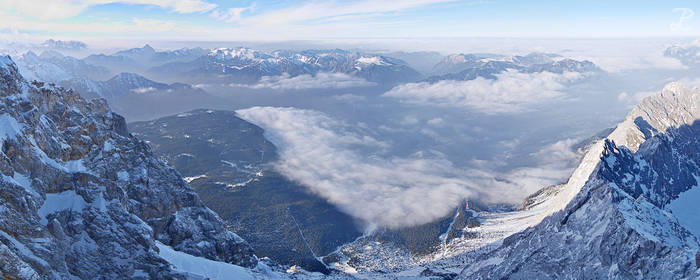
x: 624, y: 212
x: 234, y: 54
x: 371, y: 60
x: 676, y: 105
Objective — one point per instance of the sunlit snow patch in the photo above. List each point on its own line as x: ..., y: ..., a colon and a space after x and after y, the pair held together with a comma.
x: 200, y: 266
x: 685, y: 208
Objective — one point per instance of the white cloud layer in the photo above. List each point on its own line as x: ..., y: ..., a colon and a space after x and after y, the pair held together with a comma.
x: 318, y: 81
x: 332, y: 160
x: 512, y: 92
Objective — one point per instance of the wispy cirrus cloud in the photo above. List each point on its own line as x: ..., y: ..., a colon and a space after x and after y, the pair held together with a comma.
x: 57, y: 9
x: 328, y: 10
x: 232, y: 14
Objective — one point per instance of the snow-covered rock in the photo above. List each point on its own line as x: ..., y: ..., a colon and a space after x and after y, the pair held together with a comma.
x: 245, y: 65
x: 82, y: 198
x: 615, y: 218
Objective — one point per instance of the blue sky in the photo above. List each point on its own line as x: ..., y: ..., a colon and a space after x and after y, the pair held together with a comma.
x: 210, y: 20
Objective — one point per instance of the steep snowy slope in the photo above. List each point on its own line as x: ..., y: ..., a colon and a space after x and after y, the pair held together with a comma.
x: 82, y: 198
x: 612, y: 220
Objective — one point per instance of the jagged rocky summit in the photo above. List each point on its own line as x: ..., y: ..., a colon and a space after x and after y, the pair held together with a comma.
x: 623, y: 214
x: 81, y: 197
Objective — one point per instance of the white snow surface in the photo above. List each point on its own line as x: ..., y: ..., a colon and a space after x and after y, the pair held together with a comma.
x: 685, y: 208
x: 23, y: 181
x: 9, y: 127
x: 67, y: 200
x: 5, y: 60
x: 200, y: 266
x: 371, y: 60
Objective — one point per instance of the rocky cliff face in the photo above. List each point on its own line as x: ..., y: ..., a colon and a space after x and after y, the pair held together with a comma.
x: 81, y: 197
x: 613, y: 219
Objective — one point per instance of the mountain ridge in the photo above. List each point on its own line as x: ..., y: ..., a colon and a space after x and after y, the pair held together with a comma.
x: 83, y: 197
x: 645, y: 239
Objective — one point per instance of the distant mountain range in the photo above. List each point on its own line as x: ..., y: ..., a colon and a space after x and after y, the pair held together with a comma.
x: 244, y: 65
x: 139, y: 98
x: 688, y: 55
x: 53, y: 67
x: 126, y: 78
x: 106, y: 76
x: 466, y: 67
x: 137, y: 60
x: 132, y: 95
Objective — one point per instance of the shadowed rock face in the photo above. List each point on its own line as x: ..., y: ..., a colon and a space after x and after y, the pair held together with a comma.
x: 81, y: 197
x: 618, y: 224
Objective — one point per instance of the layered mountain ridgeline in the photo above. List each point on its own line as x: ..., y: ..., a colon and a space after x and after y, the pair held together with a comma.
x: 626, y: 211
x: 132, y: 80
x: 129, y: 94
x: 82, y: 198
x: 138, y: 98
x: 422, y: 61
x: 52, y: 66
x: 688, y: 54
x: 139, y: 59
x: 240, y: 65
x: 244, y: 65
x: 228, y: 162
x: 464, y: 67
